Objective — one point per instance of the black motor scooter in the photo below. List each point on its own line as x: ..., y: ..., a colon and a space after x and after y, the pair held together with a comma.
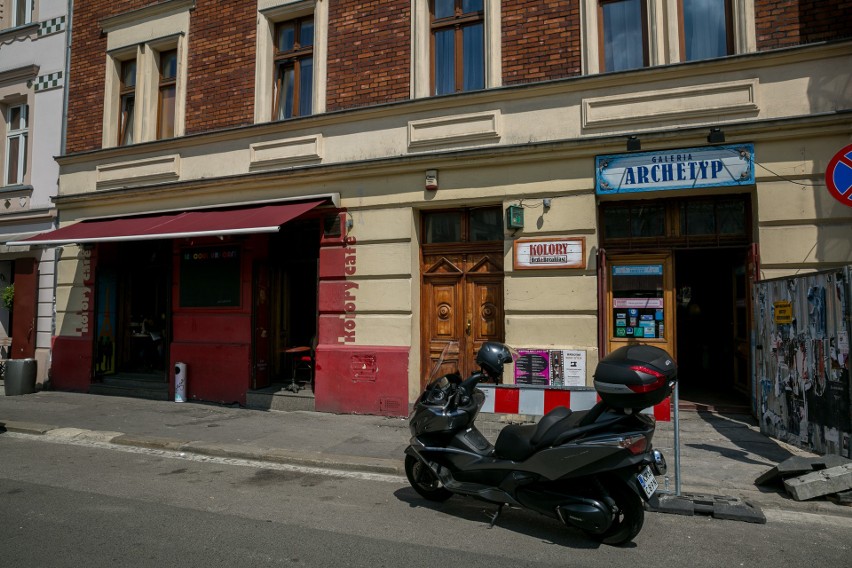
x: 590, y: 469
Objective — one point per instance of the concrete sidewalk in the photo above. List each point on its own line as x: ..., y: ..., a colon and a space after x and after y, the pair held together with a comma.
x: 720, y: 454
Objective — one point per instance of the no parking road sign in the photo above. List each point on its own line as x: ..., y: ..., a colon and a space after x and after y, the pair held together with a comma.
x: 838, y: 176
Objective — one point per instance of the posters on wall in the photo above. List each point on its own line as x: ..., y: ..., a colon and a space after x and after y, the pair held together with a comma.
x: 802, y: 360
x: 544, y: 367
x: 637, y: 303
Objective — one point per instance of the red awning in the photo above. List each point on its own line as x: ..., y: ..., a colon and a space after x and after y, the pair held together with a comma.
x: 211, y: 222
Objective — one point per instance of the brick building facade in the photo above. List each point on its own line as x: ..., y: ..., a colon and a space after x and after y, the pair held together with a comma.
x: 408, y: 128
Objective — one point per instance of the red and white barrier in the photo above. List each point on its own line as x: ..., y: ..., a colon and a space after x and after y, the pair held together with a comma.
x: 509, y: 399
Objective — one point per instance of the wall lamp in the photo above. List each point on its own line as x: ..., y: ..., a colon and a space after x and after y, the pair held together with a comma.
x: 716, y: 136
x: 633, y: 144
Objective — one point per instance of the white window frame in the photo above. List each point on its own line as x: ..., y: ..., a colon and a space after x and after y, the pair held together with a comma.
x: 663, y: 32
x: 269, y: 14
x: 29, y: 12
x: 421, y: 55
x: 22, y: 134
x: 143, y: 35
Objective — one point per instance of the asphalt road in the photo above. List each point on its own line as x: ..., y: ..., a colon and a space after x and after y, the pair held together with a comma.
x: 88, y: 505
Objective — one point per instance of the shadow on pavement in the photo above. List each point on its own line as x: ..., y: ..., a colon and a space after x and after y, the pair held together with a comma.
x: 550, y: 531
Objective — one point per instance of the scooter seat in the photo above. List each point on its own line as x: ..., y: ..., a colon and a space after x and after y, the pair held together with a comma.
x: 517, y: 442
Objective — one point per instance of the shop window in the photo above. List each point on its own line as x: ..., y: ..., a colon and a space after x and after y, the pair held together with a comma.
x: 469, y: 225
x: 210, y: 277
x: 635, y: 221
x: 693, y: 222
x: 712, y: 217
x: 638, y: 304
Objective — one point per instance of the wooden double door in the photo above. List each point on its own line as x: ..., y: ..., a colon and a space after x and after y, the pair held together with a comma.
x: 462, y: 305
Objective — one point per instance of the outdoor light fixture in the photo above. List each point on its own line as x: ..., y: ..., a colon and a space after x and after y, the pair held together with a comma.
x: 514, y: 217
x: 633, y: 144
x: 716, y: 136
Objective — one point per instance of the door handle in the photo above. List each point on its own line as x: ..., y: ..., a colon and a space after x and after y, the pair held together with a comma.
x: 467, y: 328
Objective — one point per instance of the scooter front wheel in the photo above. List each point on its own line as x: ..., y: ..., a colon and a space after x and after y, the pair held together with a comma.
x: 424, y: 480
x: 629, y: 516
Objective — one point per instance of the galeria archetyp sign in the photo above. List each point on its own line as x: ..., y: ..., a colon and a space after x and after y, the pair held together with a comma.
x: 553, y: 252
x: 682, y: 168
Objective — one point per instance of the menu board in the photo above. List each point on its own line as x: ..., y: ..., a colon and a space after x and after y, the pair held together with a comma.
x: 551, y: 367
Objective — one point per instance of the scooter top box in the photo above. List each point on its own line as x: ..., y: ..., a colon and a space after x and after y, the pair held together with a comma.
x: 635, y: 376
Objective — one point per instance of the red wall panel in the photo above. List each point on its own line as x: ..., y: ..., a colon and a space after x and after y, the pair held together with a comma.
x: 71, y: 365
x: 362, y: 379
x: 215, y: 372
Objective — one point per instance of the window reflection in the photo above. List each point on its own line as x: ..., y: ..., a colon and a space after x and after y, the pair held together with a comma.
x: 705, y: 29
x: 623, y: 37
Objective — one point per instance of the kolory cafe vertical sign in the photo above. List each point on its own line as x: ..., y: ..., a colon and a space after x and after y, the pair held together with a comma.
x: 684, y: 168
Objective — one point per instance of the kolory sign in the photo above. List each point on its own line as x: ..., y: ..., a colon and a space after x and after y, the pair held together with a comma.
x: 684, y: 168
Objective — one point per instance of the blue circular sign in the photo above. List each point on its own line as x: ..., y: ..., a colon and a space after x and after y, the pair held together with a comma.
x: 838, y: 176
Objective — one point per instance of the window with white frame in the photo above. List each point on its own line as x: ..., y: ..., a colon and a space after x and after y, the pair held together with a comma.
x: 146, y: 79
x: 20, y: 12
x: 167, y: 67
x: 619, y: 35
x: 292, y: 40
x: 17, y: 130
x: 126, y: 102
x: 456, y: 46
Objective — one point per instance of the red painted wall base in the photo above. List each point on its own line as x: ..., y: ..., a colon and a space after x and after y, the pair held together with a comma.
x: 362, y: 380
x: 71, y: 364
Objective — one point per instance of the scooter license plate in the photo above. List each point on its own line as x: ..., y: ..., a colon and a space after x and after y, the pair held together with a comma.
x: 647, y: 481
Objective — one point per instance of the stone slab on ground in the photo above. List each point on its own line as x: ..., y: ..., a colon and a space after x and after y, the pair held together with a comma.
x: 717, y: 506
x: 799, y: 465
x: 827, y: 481
x: 842, y: 498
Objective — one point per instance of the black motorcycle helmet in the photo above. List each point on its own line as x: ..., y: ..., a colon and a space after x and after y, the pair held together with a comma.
x: 492, y: 356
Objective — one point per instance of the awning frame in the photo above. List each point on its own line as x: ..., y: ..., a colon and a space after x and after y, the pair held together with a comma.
x: 333, y: 197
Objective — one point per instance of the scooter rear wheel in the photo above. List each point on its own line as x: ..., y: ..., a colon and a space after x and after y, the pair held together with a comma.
x: 424, y: 480
x: 629, y: 517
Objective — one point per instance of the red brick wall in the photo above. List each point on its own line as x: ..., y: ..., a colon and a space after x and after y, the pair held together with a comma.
x: 541, y: 40
x: 369, y: 52
x: 86, y: 73
x: 220, y: 81
x: 220, y: 89
x: 783, y: 23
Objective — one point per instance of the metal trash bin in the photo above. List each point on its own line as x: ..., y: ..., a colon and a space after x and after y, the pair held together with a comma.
x: 20, y: 376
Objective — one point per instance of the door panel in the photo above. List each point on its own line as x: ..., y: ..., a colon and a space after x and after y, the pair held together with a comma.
x: 462, y: 304
x: 24, y: 309
x: 485, y: 313
x: 262, y: 326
